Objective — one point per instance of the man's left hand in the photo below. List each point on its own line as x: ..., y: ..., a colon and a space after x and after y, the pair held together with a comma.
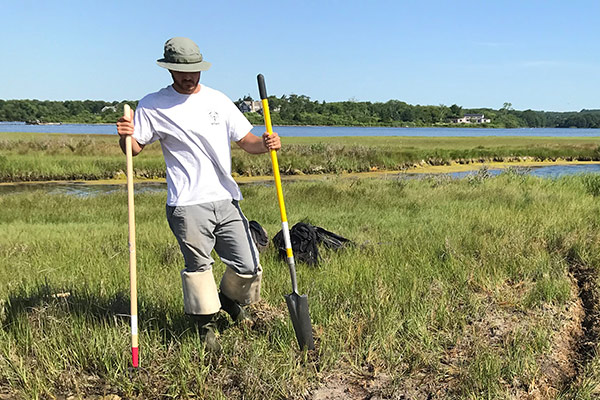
x: 272, y: 141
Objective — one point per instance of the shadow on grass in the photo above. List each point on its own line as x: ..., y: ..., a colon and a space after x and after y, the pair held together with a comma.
x: 93, y: 308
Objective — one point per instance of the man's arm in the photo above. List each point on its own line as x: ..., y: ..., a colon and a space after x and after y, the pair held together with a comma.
x: 124, y: 129
x: 136, y: 148
x: 257, y: 145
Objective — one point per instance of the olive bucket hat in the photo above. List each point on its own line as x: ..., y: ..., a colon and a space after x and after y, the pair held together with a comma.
x: 182, y: 55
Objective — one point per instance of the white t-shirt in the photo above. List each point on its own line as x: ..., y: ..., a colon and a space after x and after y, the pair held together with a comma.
x: 195, y: 132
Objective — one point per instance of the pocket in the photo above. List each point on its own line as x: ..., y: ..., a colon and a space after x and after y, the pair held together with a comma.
x: 175, y: 212
x: 170, y: 210
x: 176, y: 220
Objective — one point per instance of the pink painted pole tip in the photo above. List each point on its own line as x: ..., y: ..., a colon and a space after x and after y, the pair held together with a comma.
x: 135, y: 356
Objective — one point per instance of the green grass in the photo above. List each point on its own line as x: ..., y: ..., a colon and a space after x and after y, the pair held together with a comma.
x: 456, y: 287
x: 39, y: 157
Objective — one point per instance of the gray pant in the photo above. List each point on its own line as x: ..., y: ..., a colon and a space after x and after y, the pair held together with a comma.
x: 220, y: 225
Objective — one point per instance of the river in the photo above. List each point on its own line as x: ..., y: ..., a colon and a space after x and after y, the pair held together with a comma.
x: 326, y: 131
x: 82, y: 189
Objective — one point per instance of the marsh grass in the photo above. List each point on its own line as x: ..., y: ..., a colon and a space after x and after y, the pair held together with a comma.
x: 38, y: 157
x: 453, y: 288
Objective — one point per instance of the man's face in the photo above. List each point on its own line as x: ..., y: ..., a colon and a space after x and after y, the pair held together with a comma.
x: 186, y: 82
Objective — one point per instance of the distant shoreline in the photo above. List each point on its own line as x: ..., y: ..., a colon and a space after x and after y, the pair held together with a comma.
x: 440, y: 126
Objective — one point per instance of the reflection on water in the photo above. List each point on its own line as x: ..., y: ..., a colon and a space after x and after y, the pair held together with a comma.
x: 82, y: 189
x: 560, y: 170
x: 551, y: 171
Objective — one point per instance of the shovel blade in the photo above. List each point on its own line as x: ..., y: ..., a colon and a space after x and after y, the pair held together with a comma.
x: 298, y: 307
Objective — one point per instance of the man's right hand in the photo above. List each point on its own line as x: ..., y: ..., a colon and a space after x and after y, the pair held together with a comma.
x: 125, y: 125
x: 125, y: 129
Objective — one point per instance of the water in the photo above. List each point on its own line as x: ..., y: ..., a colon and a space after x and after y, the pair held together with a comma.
x: 95, y: 129
x: 82, y: 189
x: 550, y: 171
x: 337, y: 131
x: 327, y: 131
x: 79, y: 189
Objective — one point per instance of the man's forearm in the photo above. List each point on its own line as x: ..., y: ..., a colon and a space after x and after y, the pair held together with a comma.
x: 253, y: 144
x: 256, y: 147
x: 136, y: 148
x: 260, y: 144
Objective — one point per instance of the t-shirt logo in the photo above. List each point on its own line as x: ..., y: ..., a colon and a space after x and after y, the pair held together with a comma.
x: 213, y: 116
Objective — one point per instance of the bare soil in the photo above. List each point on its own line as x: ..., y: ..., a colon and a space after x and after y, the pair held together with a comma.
x: 569, y: 350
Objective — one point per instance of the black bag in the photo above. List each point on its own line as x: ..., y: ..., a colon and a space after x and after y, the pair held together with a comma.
x: 305, y: 239
x: 331, y: 240
x: 259, y: 236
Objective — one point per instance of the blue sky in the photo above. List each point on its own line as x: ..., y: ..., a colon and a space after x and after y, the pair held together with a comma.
x: 540, y: 55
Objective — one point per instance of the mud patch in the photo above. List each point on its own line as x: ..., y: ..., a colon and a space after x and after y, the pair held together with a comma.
x: 511, y: 334
x: 559, y: 367
x: 265, y: 315
x: 589, y: 295
x: 353, y: 386
x: 540, y: 347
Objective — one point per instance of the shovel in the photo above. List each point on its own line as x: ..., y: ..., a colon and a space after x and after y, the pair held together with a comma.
x: 297, y: 304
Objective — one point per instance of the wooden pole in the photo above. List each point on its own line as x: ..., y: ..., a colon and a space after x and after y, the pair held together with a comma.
x: 132, y: 256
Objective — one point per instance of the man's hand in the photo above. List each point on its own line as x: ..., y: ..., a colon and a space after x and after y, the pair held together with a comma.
x: 124, y: 129
x: 125, y: 125
x: 272, y: 141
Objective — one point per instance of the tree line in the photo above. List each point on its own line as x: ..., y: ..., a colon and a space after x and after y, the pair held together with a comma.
x: 301, y: 110
x: 70, y: 111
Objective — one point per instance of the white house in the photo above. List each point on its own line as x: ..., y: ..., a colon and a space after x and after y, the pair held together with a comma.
x: 472, y: 119
x: 250, y: 106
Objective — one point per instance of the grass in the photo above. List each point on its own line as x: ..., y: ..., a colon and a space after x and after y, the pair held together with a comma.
x: 455, y: 289
x: 40, y: 157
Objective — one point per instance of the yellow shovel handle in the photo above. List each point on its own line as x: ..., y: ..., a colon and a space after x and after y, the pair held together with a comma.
x: 284, y: 222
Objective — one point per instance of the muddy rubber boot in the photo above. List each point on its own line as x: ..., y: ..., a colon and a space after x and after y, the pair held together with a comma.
x: 235, y: 311
x: 207, y: 329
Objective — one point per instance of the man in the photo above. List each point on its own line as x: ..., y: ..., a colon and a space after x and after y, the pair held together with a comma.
x: 195, y: 126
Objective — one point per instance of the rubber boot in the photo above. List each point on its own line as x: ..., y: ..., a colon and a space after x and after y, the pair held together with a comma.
x: 235, y: 311
x: 207, y: 329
